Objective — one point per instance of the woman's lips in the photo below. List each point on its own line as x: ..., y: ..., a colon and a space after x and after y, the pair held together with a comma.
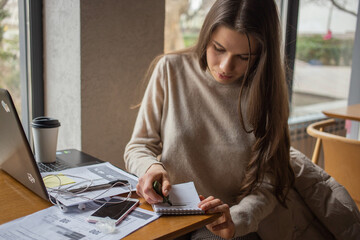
x: 224, y: 77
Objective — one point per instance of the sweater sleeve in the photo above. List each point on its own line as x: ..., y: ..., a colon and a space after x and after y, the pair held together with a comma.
x: 252, y: 209
x: 145, y: 144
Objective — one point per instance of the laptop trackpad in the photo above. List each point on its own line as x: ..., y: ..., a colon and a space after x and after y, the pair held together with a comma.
x: 76, y: 158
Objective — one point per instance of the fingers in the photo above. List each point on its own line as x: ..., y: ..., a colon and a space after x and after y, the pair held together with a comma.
x: 144, y: 188
x: 222, y: 226
x: 210, y: 204
x: 143, y: 191
x: 150, y: 195
x: 166, y: 186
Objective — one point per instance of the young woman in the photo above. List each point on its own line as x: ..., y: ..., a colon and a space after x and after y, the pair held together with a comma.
x: 216, y: 114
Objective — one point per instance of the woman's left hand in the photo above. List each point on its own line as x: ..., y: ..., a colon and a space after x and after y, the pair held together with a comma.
x: 223, y: 226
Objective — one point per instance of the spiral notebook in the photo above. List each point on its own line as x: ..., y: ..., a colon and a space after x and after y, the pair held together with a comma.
x: 184, y: 198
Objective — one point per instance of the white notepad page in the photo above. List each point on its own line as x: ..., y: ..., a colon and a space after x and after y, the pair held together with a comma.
x: 184, y: 198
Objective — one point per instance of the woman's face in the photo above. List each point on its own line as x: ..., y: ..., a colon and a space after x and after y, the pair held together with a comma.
x: 227, y: 54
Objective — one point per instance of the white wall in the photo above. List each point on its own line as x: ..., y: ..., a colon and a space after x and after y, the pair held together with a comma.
x: 96, y: 53
x: 62, y: 68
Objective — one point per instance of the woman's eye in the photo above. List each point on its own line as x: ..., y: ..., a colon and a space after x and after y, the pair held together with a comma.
x: 218, y: 49
x: 244, y: 57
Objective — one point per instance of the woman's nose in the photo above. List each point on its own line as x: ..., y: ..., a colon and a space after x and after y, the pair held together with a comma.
x: 226, y: 64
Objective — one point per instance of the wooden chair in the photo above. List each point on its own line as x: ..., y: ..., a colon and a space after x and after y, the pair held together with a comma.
x: 341, y: 157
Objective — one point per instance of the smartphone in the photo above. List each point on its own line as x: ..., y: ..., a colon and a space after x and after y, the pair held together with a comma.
x: 114, y: 209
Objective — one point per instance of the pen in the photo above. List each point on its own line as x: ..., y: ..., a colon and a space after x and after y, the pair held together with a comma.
x: 97, y: 187
x: 157, y: 188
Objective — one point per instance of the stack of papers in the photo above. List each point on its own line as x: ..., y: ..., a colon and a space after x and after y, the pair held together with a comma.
x: 53, y: 224
x: 82, y: 176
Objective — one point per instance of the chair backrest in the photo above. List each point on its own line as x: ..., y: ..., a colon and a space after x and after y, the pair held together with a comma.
x: 341, y: 157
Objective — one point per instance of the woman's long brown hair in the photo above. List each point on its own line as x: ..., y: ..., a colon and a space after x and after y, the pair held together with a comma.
x: 265, y: 88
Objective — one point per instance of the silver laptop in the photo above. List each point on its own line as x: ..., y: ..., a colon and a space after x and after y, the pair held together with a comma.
x: 16, y: 157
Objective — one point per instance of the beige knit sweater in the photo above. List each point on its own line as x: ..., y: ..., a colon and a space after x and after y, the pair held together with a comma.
x: 189, y: 122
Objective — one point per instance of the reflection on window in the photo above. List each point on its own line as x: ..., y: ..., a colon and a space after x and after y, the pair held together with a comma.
x: 324, y: 47
x: 9, y: 50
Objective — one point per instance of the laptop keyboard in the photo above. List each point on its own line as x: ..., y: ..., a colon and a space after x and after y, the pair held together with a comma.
x: 52, y: 167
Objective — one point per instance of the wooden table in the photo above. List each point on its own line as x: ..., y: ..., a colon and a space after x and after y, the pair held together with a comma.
x: 351, y: 112
x: 17, y: 201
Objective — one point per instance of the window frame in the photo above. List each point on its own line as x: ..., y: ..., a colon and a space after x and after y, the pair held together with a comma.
x: 31, y: 61
x: 292, y: 13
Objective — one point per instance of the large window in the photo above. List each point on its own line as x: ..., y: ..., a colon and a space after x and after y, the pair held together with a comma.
x: 183, y: 20
x: 9, y: 50
x: 21, y: 56
x: 322, y: 65
x: 325, y: 40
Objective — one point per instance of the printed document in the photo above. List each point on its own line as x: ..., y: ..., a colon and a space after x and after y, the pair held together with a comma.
x: 101, y: 173
x: 51, y: 223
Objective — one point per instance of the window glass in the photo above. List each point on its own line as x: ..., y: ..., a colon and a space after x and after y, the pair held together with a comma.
x: 9, y: 50
x: 325, y: 40
x: 183, y: 20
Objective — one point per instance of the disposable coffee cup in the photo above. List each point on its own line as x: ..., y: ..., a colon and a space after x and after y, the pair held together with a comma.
x: 45, y: 133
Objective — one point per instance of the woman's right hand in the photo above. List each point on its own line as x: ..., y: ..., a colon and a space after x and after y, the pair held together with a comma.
x: 144, y: 188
